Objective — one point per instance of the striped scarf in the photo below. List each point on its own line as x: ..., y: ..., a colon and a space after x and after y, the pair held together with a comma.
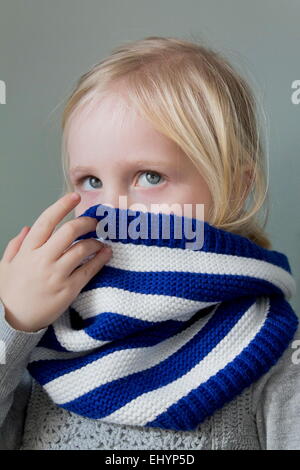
x: 164, y: 334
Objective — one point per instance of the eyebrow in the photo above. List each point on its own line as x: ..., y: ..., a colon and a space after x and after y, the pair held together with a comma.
x: 81, y: 169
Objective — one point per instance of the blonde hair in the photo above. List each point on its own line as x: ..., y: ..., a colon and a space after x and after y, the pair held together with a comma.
x: 192, y: 95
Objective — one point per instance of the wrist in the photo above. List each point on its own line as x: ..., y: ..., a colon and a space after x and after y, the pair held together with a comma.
x: 15, y: 322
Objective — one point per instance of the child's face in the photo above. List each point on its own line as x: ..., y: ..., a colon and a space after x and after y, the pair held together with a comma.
x: 117, y: 148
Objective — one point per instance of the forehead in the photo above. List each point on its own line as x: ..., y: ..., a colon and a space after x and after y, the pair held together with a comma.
x: 110, y: 126
x: 108, y: 111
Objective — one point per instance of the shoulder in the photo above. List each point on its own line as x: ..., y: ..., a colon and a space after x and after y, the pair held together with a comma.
x: 276, y: 400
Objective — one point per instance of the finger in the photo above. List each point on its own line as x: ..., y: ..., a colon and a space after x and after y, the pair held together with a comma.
x: 82, y: 275
x: 76, y: 254
x: 44, y: 225
x: 14, y: 244
x: 67, y: 233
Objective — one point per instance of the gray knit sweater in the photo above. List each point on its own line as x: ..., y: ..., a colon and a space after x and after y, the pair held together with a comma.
x: 265, y: 415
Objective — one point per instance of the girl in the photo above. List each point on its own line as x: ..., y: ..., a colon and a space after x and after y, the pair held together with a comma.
x: 150, y: 345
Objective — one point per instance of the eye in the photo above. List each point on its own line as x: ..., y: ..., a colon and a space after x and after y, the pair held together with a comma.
x: 93, y: 181
x: 151, y: 179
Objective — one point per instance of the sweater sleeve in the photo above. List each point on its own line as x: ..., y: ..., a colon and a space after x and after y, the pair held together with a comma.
x: 15, y: 380
x: 276, y: 401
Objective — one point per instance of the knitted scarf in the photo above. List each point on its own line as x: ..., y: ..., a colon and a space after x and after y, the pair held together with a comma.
x: 165, y: 334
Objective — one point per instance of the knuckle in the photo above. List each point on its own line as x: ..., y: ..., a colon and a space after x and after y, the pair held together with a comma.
x: 44, y: 223
x: 55, y: 282
x: 41, y: 262
x: 81, y: 249
x: 70, y: 229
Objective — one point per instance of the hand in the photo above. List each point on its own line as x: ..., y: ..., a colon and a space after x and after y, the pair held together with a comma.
x: 40, y: 274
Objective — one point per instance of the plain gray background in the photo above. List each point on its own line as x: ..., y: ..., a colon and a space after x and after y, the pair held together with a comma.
x: 45, y: 46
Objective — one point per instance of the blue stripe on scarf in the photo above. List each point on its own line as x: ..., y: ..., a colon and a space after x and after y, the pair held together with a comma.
x: 163, y: 373
x: 172, y: 283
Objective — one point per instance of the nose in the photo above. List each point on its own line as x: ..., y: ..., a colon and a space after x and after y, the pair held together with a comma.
x: 115, y: 197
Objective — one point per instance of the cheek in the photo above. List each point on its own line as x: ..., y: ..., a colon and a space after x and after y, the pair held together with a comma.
x: 86, y: 202
x: 193, y: 195
x: 77, y: 212
x: 199, y: 191
x: 81, y: 208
